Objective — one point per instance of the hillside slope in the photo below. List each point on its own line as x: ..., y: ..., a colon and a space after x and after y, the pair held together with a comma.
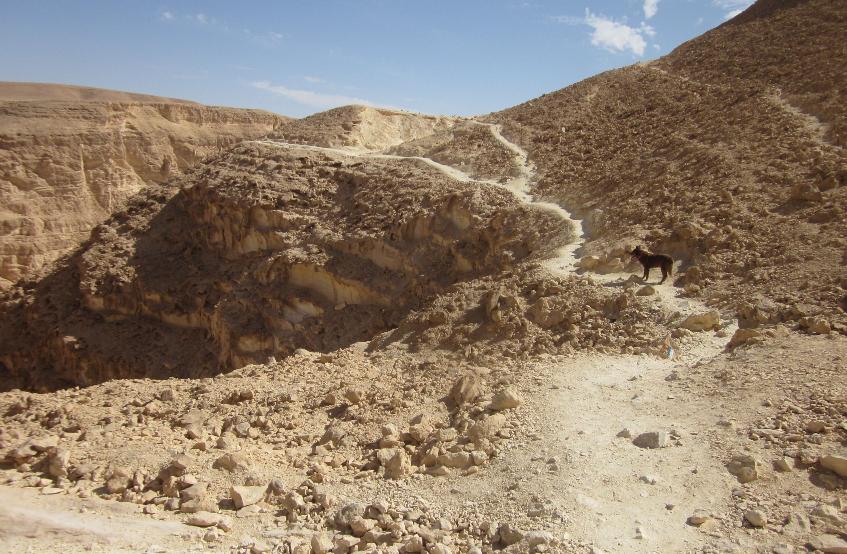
x: 66, y: 165
x: 701, y: 155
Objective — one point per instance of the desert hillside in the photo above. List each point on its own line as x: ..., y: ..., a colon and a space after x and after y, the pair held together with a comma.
x: 71, y: 155
x: 726, y: 154
x: 380, y: 331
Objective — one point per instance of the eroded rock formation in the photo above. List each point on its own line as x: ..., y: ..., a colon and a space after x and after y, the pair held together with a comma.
x: 259, y: 252
x: 66, y: 164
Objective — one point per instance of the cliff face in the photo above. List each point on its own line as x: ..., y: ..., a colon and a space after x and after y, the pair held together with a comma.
x: 65, y: 166
x: 256, y: 253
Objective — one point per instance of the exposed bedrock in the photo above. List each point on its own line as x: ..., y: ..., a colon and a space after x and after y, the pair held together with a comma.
x: 260, y: 252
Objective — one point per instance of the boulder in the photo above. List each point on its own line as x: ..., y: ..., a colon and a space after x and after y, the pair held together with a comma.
x: 465, y: 390
x: 246, y: 496
x: 652, y: 439
x: 744, y: 337
x: 706, y: 321
x: 836, y: 464
x: 506, y: 399
x: 231, y: 462
x: 744, y: 467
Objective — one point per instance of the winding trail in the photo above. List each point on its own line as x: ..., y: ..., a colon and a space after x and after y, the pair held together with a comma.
x: 617, y: 497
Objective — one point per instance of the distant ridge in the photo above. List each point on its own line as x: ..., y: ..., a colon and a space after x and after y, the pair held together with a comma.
x: 45, y: 92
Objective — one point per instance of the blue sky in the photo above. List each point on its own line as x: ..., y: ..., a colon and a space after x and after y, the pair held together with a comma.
x: 297, y: 57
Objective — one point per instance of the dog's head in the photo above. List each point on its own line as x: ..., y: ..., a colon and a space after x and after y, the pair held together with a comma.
x: 637, y: 251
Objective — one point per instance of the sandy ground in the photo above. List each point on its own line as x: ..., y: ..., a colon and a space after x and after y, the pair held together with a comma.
x: 610, y: 495
x: 618, y: 497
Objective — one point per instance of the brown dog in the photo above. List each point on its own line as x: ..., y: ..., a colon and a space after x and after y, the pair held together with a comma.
x: 649, y: 261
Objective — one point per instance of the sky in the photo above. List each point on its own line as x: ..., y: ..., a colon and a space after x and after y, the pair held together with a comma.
x: 296, y: 57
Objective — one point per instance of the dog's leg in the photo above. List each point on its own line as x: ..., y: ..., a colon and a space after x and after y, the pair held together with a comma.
x: 664, y: 274
x: 646, y: 272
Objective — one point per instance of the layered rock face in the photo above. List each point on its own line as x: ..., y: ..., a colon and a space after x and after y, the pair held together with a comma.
x: 729, y: 160
x: 66, y: 165
x: 256, y: 253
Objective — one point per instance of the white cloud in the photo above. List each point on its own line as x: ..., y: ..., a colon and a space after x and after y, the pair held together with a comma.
x: 614, y: 36
x: 651, y: 7
x: 167, y: 16
x: 314, y: 99
x: 313, y: 80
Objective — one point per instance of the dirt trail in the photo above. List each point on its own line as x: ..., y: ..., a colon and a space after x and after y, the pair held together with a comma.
x: 593, y: 397
x: 32, y: 522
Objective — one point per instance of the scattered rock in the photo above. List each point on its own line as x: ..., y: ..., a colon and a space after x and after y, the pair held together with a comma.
x: 646, y: 290
x: 756, y: 518
x: 231, y: 462
x: 699, y: 517
x: 836, y: 464
x: 208, y: 519
x: 509, y: 535
x: 782, y: 465
x: 805, y: 192
x: 702, y: 322
x: 347, y: 513
x: 815, y: 325
x: 399, y: 465
x: 830, y: 544
x: 245, y: 496
x: 321, y: 544
x: 652, y: 439
x: 506, y: 399
x: 744, y: 467
x: 465, y: 390
x: 743, y: 337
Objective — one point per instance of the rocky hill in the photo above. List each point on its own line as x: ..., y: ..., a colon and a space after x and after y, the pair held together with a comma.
x: 70, y: 156
x: 361, y: 128
x: 727, y: 154
x: 261, y: 251
x: 383, y: 332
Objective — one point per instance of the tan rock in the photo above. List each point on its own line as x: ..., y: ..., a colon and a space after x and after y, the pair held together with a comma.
x: 465, y: 390
x: 246, y: 495
x: 505, y: 399
x: 231, y: 462
x: 836, y: 464
x: 707, y: 321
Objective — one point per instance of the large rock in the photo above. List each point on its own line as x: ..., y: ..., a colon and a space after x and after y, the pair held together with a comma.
x: 465, y: 390
x: 398, y: 465
x: 830, y: 544
x: 246, y: 496
x: 652, y: 439
x: 231, y: 462
x: 702, y: 322
x: 744, y: 337
x: 506, y: 399
x: 837, y: 464
x: 744, y: 467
